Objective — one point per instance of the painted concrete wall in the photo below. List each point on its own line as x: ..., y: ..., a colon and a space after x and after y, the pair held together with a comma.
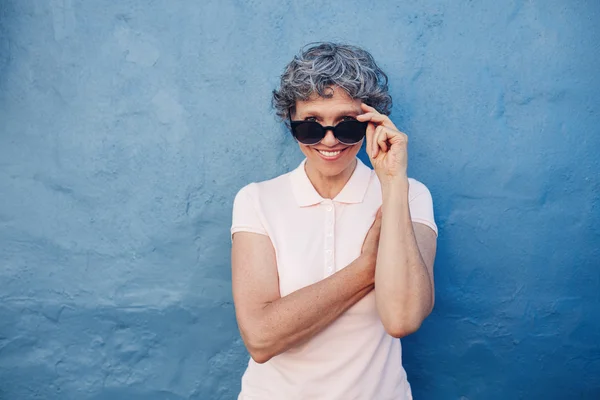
x: 127, y: 127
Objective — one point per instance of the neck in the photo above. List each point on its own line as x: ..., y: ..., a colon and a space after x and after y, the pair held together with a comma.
x: 329, y: 186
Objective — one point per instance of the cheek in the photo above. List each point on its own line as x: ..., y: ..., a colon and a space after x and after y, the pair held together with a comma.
x: 354, y: 149
x: 304, y: 149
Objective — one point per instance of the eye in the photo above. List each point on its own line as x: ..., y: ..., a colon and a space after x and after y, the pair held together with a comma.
x: 312, y: 119
x: 347, y: 118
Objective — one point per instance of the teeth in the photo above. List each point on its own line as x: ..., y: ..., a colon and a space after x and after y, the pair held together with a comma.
x: 330, y: 153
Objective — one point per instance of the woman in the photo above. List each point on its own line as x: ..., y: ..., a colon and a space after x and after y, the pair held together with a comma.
x: 333, y: 262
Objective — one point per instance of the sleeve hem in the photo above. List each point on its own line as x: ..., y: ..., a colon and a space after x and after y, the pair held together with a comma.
x: 428, y: 223
x: 247, y: 229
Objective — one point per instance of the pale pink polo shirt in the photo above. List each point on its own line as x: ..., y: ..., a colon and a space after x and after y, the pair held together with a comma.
x: 313, y: 237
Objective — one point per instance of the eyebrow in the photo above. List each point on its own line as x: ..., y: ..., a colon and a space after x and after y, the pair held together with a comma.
x: 344, y: 113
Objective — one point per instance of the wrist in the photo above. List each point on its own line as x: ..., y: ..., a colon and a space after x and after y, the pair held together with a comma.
x: 368, y: 259
x: 395, y: 187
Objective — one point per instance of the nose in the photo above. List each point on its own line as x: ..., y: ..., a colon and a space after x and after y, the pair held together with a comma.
x: 329, y: 139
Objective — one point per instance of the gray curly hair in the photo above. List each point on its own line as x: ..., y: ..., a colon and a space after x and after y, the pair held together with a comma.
x: 318, y: 66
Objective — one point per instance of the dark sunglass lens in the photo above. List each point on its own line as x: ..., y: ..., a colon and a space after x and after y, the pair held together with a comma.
x: 351, y: 132
x: 307, y: 132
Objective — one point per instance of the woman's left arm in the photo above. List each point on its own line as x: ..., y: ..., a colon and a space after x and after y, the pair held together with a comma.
x: 404, y: 271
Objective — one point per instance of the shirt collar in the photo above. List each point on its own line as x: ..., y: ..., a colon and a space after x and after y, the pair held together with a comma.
x: 353, y: 192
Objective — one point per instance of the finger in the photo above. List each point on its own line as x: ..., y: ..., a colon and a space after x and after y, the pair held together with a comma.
x: 374, y: 117
x: 370, y: 133
x: 376, y: 221
x: 368, y: 108
x: 374, y: 145
x: 382, y: 139
x: 376, y: 225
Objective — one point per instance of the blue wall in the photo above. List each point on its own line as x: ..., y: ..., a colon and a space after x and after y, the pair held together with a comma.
x: 127, y: 127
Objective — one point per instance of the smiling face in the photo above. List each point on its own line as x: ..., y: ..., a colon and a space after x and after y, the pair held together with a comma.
x: 329, y: 158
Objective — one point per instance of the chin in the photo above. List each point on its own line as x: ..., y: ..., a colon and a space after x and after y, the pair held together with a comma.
x: 331, y: 170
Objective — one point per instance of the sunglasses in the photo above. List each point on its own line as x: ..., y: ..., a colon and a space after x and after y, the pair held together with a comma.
x: 347, y: 132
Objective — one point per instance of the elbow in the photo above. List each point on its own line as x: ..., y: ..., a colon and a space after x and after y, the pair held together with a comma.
x: 401, y: 324
x: 259, y: 356
x: 258, y: 347
x: 400, y: 329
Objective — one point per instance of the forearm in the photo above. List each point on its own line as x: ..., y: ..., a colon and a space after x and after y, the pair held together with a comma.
x: 297, y: 317
x: 403, y: 288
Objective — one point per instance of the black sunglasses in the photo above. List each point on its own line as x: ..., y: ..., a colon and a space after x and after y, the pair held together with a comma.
x: 347, y: 132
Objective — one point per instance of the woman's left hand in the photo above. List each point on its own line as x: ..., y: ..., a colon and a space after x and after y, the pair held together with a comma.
x: 386, y: 145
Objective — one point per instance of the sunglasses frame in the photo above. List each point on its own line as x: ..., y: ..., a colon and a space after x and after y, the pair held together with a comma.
x: 294, y: 125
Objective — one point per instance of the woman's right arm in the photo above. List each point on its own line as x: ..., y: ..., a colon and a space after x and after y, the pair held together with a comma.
x: 270, y: 324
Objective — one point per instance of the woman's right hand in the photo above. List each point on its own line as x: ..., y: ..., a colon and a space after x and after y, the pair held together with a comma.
x: 371, y: 243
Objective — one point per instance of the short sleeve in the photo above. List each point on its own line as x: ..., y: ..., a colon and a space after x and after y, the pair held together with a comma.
x: 421, y: 204
x: 246, y: 216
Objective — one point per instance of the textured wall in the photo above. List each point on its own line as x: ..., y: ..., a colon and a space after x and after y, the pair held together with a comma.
x: 127, y: 127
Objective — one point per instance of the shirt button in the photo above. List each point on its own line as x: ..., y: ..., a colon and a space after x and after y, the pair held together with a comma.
x: 329, y: 208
